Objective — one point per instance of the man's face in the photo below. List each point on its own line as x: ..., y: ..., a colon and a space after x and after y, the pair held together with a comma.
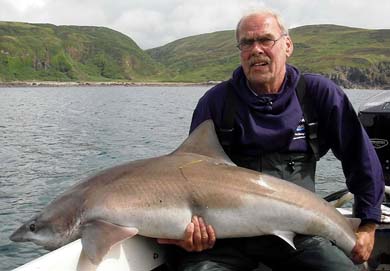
x: 264, y: 66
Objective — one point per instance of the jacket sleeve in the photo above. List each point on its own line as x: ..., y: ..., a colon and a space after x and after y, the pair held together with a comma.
x: 210, y: 106
x: 344, y: 134
x: 201, y: 113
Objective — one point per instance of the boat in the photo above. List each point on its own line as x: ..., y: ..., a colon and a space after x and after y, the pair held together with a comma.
x: 142, y: 254
x: 135, y: 254
x: 374, y: 115
x: 375, y: 118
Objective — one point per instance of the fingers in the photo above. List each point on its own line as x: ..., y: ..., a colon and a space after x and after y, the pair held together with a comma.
x: 212, y: 236
x: 188, y: 242
x: 204, y: 235
x: 198, y: 236
x: 197, y: 240
x: 356, y: 257
x: 363, y: 248
x: 359, y: 255
x: 201, y: 237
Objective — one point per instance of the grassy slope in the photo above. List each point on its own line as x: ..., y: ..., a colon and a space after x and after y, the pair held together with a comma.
x: 70, y: 53
x: 203, y: 57
x: 350, y: 56
x: 321, y: 48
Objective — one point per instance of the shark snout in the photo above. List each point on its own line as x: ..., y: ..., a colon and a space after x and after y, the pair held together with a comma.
x: 15, y: 237
x: 19, y: 235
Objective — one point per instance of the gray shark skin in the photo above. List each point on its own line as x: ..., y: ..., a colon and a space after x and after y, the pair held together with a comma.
x: 157, y: 197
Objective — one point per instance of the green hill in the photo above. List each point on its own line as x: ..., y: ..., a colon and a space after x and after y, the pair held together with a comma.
x: 350, y: 56
x: 70, y: 53
x: 201, y: 58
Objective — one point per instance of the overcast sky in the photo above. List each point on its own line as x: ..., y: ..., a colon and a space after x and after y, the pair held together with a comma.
x: 152, y: 23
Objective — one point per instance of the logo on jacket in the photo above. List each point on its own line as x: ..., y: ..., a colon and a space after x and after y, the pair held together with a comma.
x: 300, y: 131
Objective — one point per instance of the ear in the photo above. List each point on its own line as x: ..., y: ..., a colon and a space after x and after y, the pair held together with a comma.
x: 289, y: 47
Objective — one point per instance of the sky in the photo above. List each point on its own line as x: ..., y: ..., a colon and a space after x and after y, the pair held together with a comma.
x: 153, y: 23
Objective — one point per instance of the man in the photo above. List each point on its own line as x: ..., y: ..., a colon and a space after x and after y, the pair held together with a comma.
x: 270, y: 135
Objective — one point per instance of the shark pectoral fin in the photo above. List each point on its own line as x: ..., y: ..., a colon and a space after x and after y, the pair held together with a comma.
x: 85, y: 264
x: 97, y: 238
x: 287, y: 236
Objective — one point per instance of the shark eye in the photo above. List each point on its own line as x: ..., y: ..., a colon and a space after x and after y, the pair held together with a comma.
x: 32, y: 227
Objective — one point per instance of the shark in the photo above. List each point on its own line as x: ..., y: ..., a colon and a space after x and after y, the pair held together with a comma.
x: 157, y: 198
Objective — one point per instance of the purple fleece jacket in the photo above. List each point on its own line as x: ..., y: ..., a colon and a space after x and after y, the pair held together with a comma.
x: 271, y: 122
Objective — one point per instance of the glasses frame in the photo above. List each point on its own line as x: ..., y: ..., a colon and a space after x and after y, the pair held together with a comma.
x: 258, y: 40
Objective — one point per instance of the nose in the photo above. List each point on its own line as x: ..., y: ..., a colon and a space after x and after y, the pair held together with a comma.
x: 257, y: 48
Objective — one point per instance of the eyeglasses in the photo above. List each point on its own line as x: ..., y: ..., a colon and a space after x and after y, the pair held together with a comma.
x: 265, y: 43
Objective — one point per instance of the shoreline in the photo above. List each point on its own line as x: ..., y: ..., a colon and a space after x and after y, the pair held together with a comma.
x: 99, y: 84
x: 15, y: 84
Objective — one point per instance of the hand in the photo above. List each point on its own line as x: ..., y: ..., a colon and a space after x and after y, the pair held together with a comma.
x: 365, y: 238
x: 197, y: 237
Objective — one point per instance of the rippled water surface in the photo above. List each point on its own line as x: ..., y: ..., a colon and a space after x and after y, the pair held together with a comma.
x: 53, y: 137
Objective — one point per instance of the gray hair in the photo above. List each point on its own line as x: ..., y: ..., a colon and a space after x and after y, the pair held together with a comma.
x: 263, y: 11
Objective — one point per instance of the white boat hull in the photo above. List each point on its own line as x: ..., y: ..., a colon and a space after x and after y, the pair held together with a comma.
x: 135, y: 254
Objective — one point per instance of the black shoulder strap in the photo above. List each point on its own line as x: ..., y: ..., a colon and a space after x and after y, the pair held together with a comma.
x: 225, y: 132
x: 310, y: 116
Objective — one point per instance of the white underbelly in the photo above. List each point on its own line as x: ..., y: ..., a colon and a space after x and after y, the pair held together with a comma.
x: 257, y: 217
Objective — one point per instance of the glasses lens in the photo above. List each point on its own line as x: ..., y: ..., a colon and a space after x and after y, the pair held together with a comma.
x: 245, y: 44
x: 266, y: 42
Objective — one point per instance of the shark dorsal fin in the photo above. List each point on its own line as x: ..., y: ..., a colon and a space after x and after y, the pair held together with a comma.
x: 203, y: 140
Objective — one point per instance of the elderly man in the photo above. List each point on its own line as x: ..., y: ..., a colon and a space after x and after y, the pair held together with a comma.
x: 271, y: 118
